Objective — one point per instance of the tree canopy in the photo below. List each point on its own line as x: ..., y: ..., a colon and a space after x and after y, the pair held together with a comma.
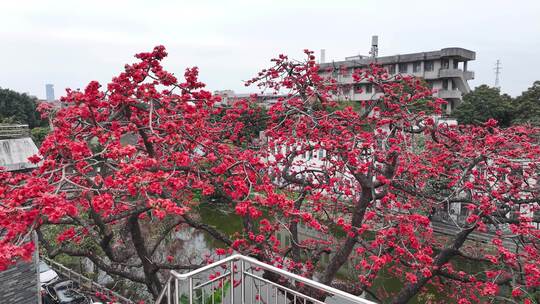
x: 19, y: 108
x: 126, y: 166
x: 527, y: 105
x: 484, y: 103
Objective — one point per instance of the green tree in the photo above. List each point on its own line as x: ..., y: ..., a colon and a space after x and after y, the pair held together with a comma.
x: 39, y: 134
x: 19, y: 108
x: 483, y: 103
x: 528, y: 105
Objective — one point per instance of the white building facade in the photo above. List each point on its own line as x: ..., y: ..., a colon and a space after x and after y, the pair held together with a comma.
x: 445, y: 71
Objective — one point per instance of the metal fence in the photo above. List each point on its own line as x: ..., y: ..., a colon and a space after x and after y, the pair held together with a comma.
x: 241, y: 279
x: 87, y: 283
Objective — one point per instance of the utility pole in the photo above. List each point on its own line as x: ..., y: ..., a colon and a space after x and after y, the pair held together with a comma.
x: 497, y: 69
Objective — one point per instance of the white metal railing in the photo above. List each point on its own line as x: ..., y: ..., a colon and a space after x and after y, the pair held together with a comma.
x: 245, y: 280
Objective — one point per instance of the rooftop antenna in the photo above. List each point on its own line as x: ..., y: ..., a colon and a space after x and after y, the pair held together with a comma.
x: 374, y: 46
x: 497, y: 69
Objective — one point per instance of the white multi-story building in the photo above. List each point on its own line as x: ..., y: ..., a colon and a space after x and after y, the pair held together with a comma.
x: 445, y: 71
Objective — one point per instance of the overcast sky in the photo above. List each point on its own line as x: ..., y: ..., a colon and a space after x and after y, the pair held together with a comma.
x: 69, y: 43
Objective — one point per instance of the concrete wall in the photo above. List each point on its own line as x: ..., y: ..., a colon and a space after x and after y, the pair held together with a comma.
x: 14, y: 153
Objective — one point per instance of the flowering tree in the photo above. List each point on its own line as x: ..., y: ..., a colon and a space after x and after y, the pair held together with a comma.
x: 122, y: 170
x: 125, y: 167
x: 382, y: 175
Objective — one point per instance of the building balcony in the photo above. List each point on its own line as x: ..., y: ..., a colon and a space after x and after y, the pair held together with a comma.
x: 468, y: 75
x: 449, y: 73
x: 445, y: 73
x: 431, y: 75
x: 449, y: 94
x: 241, y: 279
x: 342, y: 79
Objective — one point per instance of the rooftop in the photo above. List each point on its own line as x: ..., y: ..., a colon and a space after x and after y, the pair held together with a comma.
x: 360, y: 61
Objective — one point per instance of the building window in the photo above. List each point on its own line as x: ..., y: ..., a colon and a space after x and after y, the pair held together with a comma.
x: 346, y: 72
x: 391, y: 69
x: 428, y: 66
x: 445, y: 64
x: 346, y: 90
x: 416, y: 67
x: 403, y: 68
x: 369, y: 88
x: 445, y: 84
x: 456, y: 64
x: 321, y: 153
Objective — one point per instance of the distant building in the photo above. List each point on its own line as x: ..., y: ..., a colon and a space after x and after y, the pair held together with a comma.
x: 49, y: 90
x: 445, y: 71
x: 228, y: 97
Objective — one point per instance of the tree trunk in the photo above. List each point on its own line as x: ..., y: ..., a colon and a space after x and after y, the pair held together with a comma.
x: 343, y: 253
x: 293, y: 227
x: 410, y: 290
x: 150, y: 270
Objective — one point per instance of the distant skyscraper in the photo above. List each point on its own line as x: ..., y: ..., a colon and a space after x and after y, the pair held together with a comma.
x: 49, y: 89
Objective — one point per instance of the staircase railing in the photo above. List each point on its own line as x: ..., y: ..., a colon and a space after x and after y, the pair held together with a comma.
x: 242, y: 279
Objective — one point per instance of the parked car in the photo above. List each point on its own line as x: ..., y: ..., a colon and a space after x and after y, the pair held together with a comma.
x: 64, y: 292
x: 46, y: 274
